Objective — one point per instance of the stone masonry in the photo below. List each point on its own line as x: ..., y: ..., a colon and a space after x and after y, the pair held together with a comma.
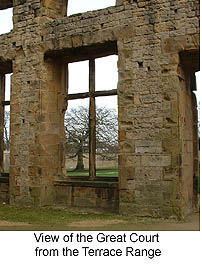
x: 157, y: 43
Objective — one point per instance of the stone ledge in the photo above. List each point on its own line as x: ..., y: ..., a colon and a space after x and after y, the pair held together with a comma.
x: 86, y: 183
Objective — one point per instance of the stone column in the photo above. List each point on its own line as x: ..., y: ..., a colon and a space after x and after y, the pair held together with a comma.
x: 37, y: 107
x: 51, y: 132
x: 149, y: 130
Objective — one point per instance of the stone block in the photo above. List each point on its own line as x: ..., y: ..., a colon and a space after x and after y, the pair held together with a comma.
x: 133, y: 161
x: 171, y: 45
x: 148, y: 174
x: 77, y: 41
x: 156, y: 160
x: 63, y: 195
x: 148, y: 146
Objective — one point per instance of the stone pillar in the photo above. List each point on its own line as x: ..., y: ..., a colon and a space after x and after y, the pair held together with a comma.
x: 149, y: 159
x: 51, y: 132
x: 37, y: 110
x: 156, y: 158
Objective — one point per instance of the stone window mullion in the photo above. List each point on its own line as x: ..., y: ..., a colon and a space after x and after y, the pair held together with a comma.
x: 92, y: 121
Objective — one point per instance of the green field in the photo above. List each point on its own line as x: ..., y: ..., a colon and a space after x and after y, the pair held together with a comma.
x: 100, y: 172
x: 49, y: 216
x: 20, y: 218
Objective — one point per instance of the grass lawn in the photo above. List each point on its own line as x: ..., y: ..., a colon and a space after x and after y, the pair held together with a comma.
x: 100, y: 172
x: 48, y: 217
x: 12, y: 218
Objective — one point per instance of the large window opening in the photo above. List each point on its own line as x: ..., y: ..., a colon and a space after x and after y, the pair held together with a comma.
x: 91, y: 120
x: 5, y: 123
x: 198, y: 93
x: 189, y: 65
x: 6, y: 20
x: 80, y: 6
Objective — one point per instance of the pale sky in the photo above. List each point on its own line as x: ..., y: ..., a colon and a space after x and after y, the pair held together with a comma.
x: 106, y: 75
x: 80, y: 6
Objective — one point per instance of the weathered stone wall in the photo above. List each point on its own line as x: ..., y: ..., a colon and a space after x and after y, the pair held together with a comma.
x: 96, y: 195
x: 149, y: 128
x: 149, y: 36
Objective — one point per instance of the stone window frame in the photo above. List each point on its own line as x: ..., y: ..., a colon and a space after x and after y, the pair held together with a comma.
x: 92, y: 94
x: 2, y: 116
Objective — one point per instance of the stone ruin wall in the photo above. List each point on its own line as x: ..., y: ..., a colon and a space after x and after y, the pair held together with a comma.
x: 157, y: 152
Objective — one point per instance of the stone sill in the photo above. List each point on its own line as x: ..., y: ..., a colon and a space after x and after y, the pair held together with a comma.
x: 84, y: 182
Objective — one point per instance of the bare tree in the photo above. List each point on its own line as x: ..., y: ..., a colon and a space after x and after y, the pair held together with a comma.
x: 6, y: 130
x: 77, y: 133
